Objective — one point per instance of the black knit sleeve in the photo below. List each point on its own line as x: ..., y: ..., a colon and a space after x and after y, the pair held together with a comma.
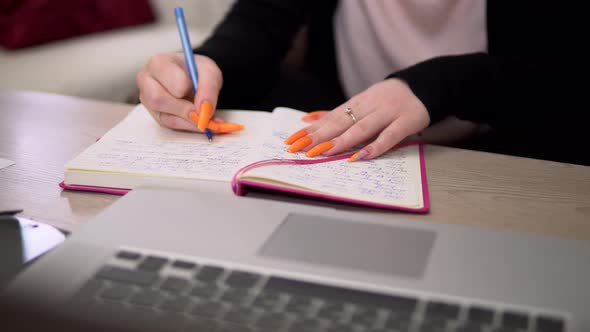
x: 249, y: 44
x: 504, y: 91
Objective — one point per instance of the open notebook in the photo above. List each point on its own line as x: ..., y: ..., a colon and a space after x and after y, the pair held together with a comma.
x: 138, y: 152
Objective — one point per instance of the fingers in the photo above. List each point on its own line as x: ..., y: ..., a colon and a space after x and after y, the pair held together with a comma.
x: 390, y: 137
x: 388, y: 110
x: 166, y: 90
x: 167, y: 110
x: 363, y: 131
x: 314, y: 116
x: 330, y: 124
x: 170, y: 71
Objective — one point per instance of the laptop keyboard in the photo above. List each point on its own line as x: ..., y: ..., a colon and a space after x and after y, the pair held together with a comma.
x: 162, y: 293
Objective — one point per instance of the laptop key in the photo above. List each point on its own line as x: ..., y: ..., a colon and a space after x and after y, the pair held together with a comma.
x: 117, y: 292
x: 347, y: 328
x: 272, y: 320
x: 201, y: 324
x: 431, y: 328
x: 141, y: 317
x: 549, y: 324
x: 267, y: 300
x: 136, y: 277
x: 332, y: 311
x: 402, y: 304
x: 242, y: 279
x: 169, y: 321
x: 184, y: 265
x: 128, y: 255
x: 209, y: 273
x: 174, y: 284
x: 441, y: 310
x: 178, y: 304
x: 505, y: 329
x: 480, y: 315
x: 87, y: 292
x: 365, y: 316
x: 206, y: 291
x: 229, y: 327
x: 147, y: 298
x: 152, y: 263
x: 235, y: 295
x: 470, y: 327
x: 207, y: 308
x: 306, y: 325
x: 398, y: 321
x: 240, y: 315
x: 515, y: 319
x: 299, y: 305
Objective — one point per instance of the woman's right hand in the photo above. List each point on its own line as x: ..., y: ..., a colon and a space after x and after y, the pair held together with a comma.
x: 166, y: 90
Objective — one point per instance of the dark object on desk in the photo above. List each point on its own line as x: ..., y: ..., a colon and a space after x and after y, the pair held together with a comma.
x: 22, y: 241
x: 11, y: 252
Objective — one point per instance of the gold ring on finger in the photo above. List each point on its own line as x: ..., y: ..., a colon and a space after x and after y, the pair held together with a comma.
x: 349, y: 112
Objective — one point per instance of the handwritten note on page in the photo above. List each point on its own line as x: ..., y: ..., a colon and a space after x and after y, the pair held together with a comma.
x: 394, y: 177
x: 138, y: 145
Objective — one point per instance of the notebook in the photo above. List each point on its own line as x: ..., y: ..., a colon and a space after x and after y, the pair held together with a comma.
x: 138, y: 152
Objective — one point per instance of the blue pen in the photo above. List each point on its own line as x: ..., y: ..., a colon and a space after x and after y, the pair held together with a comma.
x: 188, y: 55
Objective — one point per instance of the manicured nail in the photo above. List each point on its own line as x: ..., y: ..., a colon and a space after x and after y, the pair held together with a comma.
x: 300, y: 144
x: 229, y: 127
x: 313, y: 116
x: 358, y: 156
x: 320, y: 148
x: 224, y: 127
x: 205, y: 113
x: 194, y: 117
x: 296, y: 136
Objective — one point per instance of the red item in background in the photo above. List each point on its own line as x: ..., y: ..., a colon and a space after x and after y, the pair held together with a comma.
x: 31, y: 22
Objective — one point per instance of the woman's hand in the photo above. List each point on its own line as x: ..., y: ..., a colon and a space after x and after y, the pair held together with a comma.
x: 387, y: 112
x: 167, y: 91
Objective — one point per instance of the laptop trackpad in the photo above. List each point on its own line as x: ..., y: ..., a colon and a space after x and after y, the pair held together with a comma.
x: 389, y: 250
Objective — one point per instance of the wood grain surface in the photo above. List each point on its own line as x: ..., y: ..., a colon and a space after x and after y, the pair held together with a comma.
x: 41, y: 132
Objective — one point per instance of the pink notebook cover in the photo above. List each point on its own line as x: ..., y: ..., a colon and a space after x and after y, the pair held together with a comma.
x: 240, y: 186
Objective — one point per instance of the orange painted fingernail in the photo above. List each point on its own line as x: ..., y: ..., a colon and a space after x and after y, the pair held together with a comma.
x: 205, y: 113
x: 229, y: 127
x: 358, y: 156
x: 296, y: 136
x: 320, y: 148
x: 313, y: 116
x: 300, y: 144
x: 224, y: 127
x: 194, y: 117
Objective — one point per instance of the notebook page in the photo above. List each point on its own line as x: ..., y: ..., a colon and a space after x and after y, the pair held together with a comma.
x: 393, y: 178
x: 139, y: 146
x: 285, y: 121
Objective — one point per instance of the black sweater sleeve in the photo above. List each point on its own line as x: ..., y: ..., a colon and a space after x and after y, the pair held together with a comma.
x: 504, y: 91
x: 249, y: 44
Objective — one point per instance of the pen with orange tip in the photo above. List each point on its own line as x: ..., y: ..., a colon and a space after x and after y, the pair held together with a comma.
x: 192, y: 67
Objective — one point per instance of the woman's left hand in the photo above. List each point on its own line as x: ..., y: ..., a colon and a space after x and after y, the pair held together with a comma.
x: 386, y: 112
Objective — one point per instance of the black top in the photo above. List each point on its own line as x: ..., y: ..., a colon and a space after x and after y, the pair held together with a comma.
x: 533, y: 73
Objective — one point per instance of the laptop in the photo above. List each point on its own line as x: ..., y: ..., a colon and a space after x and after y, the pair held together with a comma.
x: 173, y: 260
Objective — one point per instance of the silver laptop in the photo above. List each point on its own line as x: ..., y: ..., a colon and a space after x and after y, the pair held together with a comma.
x: 172, y: 260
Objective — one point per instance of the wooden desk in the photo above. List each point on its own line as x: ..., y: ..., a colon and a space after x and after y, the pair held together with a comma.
x: 41, y: 132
